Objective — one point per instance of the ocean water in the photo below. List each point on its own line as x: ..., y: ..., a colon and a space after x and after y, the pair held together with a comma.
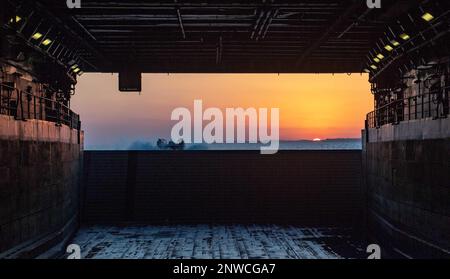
x: 330, y: 144
x: 334, y: 144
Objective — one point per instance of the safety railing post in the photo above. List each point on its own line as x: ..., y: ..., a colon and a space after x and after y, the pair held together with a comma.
x: 58, y: 114
x: 409, y: 109
x: 8, y: 101
x: 28, y: 105
x: 21, y: 105
x: 415, y: 108
x: 429, y: 105
x: 422, y: 105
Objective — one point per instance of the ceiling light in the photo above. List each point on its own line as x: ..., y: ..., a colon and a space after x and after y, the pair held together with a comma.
x: 366, y: 70
x: 46, y: 42
x: 395, y: 43
x: 405, y: 36
x: 36, y: 36
x: 427, y: 17
x: 373, y: 67
x: 76, y: 70
x: 389, y: 48
x: 380, y: 56
x: 15, y: 20
x: 376, y: 60
x: 74, y: 66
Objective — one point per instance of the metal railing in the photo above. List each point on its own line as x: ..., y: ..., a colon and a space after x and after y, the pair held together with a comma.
x: 434, y: 104
x: 24, y: 105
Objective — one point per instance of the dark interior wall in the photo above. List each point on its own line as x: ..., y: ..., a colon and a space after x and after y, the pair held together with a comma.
x: 291, y: 187
x: 39, y: 184
x: 408, y: 191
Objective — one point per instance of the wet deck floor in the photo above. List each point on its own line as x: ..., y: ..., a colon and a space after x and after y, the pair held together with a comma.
x: 216, y: 242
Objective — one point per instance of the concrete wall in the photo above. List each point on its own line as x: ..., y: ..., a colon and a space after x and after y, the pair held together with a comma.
x: 422, y: 129
x: 291, y: 187
x: 407, y: 172
x: 39, y: 184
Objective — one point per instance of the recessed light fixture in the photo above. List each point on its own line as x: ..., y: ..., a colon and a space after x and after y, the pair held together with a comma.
x: 405, y: 36
x: 15, y: 19
x: 380, y: 56
x: 46, y: 42
x: 373, y: 67
x: 395, y: 43
x: 427, y: 17
x: 376, y: 60
x: 389, y: 48
x: 36, y: 36
x: 76, y: 70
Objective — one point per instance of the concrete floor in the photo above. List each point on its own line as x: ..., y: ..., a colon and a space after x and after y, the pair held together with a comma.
x: 216, y: 242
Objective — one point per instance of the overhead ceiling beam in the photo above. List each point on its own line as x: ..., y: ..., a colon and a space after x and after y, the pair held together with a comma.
x: 252, y: 35
x: 325, y: 34
x: 180, y: 21
x: 269, y: 22
x: 263, y: 23
x: 261, y: 15
x: 219, y: 51
x: 69, y: 31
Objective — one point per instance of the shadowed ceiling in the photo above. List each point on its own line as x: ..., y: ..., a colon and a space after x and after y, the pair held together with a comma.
x: 225, y: 36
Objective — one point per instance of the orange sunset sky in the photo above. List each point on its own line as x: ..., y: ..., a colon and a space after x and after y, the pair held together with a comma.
x: 311, y: 105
